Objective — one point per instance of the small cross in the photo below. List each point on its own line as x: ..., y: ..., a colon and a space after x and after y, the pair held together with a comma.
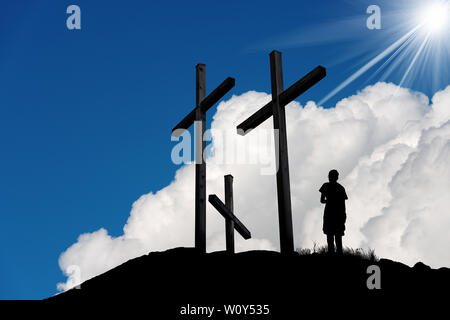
x: 275, y: 108
x: 198, y: 116
x: 226, y: 210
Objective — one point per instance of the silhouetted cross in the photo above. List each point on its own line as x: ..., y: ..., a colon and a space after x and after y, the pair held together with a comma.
x: 226, y: 210
x: 198, y: 116
x: 275, y: 108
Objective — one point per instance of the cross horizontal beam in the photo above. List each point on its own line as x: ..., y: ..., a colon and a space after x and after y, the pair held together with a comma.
x: 227, y: 214
x: 205, y: 105
x: 285, y: 98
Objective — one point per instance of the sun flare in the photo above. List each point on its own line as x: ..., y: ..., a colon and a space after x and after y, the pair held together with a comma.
x: 435, y: 17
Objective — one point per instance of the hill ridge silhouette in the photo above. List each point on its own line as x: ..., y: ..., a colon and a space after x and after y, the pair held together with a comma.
x: 168, y: 280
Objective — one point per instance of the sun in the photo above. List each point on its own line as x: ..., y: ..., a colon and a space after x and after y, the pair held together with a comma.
x: 435, y: 17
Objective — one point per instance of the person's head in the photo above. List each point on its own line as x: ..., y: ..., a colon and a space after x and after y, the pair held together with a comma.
x: 333, y: 175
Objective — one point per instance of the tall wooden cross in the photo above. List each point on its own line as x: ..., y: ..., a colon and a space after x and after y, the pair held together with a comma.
x: 275, y: 108
x: 198, y: 116
x: 227, y: 211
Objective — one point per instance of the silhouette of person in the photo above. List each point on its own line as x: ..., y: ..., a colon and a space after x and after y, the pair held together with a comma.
x: 333, y: 195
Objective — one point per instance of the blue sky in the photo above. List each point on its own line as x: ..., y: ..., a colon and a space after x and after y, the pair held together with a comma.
x: 86, y: 115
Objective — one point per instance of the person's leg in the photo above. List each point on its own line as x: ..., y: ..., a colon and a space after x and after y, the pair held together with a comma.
x: 330, y: 240
x: 338, y: 243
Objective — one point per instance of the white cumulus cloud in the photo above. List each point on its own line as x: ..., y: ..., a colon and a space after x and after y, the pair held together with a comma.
x: 390, y: 145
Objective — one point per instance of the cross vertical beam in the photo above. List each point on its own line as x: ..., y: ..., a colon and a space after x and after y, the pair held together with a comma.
x: 229, y: 223
x: 282, y: 162
x: 197, y: 117
x: 275, y: 108
x: 200, y: 165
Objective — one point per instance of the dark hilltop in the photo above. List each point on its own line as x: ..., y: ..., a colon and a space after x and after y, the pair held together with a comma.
x: 183, y: 284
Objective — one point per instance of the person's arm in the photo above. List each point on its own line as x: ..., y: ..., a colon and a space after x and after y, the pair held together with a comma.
x: 322, y: 191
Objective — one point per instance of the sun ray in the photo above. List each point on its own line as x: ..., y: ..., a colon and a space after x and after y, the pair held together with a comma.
x: 419, y: 58
x: 422, y: 46
x: 369, y: 65
x: 399, y: 52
